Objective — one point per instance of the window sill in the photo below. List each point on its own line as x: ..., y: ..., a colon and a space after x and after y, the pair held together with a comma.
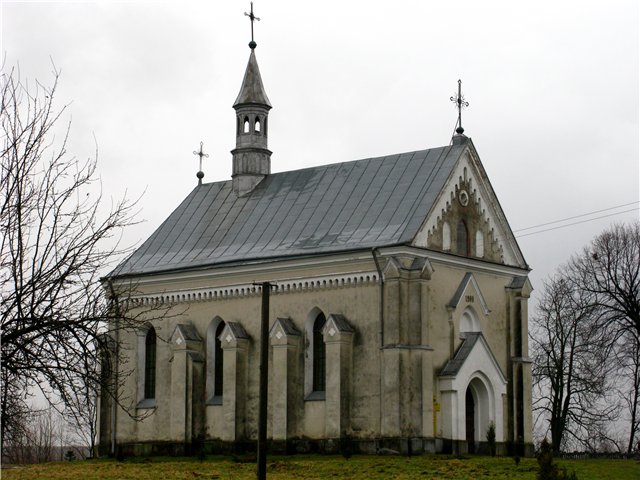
x: 315, y: 397
x: 216, y: 400
x: 147, y: 403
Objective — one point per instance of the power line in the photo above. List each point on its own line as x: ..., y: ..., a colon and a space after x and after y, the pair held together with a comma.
x: 577, y: 216
x: 575, y: 223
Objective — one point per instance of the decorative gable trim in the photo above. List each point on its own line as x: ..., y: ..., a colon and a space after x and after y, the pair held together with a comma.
x: 282, y: 331
x: 185, y: 337
x: 468, y: 279
x: 232, y: 333
x: 337, y: 328
x: 469, y: 173
x: 185, y: 333
x: 521, y: 284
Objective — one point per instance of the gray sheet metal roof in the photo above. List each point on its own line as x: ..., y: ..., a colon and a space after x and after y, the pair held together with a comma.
x: 453, y: 366
x: 344, y: 206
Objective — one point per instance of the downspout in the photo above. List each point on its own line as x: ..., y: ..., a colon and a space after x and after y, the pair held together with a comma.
x: 114, y: 402
x: 374, y: 253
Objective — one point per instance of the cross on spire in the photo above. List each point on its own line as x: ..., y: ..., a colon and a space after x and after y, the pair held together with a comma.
x: 200, y: 154
x: 253, y: 18
x: 460, y: 104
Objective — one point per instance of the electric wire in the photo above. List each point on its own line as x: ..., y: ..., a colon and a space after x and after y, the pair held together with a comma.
x: 576, y: 216
x: 575, y: 223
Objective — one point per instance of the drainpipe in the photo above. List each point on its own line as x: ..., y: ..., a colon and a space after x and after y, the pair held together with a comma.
x: 374, y: 253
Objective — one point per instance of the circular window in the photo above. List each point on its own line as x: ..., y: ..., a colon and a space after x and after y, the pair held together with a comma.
x: 463, y: 197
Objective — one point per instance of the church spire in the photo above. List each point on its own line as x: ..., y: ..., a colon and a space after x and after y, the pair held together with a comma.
x: 251, y: 157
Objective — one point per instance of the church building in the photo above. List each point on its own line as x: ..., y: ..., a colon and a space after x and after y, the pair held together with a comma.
x: 398, y: 308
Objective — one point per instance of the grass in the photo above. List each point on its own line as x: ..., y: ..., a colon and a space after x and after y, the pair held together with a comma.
x: 431, y: 467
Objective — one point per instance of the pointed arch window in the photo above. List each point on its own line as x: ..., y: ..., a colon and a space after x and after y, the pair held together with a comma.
x: 256, y: 125
x: 150, y: 364
x: 479, y: 244
x: 446, y: 237
x: 319, y: 355
x: 462, y: 239
x: 219, y: 363
x: 215, y: 362
x: 245, y: 128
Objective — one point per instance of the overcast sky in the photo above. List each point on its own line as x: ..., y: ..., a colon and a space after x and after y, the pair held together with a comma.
x: 552, y: 86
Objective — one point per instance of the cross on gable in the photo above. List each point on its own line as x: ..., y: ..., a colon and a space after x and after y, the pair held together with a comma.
x: 461, y: 103
x: 200, y: 154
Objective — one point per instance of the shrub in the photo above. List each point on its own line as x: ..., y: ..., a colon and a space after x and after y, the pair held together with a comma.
x: 491, y: 439
x: 548, y: 469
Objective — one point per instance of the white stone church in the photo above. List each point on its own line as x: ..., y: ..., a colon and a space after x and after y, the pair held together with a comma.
x: 398, y: 312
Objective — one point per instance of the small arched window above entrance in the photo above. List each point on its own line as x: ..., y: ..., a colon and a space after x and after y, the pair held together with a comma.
x: 469, y: 322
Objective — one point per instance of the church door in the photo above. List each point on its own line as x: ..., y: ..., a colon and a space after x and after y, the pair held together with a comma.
x: 470, y: 420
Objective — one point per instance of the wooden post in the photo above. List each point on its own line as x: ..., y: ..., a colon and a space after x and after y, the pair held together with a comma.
x: 264, y: 378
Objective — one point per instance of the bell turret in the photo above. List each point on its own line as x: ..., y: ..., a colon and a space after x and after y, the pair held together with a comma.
x: 251, y: 157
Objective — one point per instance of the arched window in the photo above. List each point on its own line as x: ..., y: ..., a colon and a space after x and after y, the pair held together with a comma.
x: 479, y: 244
x: 150, y: 364
x: 256, y: 125
x: 446, y: 237
x: 215, y: 362
x: 245, y: 129
x: 218, y: 365
x: 462, y: 239
x: 469, y: 322
x: 319, y: 354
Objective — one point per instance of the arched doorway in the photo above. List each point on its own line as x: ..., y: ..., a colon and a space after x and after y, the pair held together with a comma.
x: 478, y: 412
x: 470, y: 420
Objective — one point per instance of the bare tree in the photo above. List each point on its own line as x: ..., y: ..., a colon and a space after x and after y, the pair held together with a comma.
x: 38, y: 440
x: 609, y: 270
x: 56, y: 237
x: 570, y: 373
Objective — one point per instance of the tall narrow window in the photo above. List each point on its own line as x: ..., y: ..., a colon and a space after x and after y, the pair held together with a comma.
x: 462, y: 239
x: 150, y: 364
x: 246, y: 125
x: 218, y: 363
x: 319, y: 355
x: 446, y: 237
x: 479, y: 244
x: 256, y: 125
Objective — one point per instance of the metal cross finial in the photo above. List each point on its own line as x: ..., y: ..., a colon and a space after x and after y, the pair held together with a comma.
x: 252, y: 17
x: 460, y: 104
x: 200, y: 154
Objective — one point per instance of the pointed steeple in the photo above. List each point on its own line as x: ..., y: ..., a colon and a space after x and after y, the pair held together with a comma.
x: 252, y: 90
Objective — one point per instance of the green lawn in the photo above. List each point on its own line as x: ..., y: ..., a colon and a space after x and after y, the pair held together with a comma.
x: 303, y: 466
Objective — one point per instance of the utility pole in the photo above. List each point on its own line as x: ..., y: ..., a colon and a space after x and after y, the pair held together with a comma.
x: 264, y: 379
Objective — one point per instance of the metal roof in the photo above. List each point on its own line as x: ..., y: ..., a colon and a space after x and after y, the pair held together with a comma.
x: 252, y: 89
x: 344, y: 206
x: 454, y: 365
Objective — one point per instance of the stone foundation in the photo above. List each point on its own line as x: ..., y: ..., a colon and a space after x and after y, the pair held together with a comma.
x: 331, y: 446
